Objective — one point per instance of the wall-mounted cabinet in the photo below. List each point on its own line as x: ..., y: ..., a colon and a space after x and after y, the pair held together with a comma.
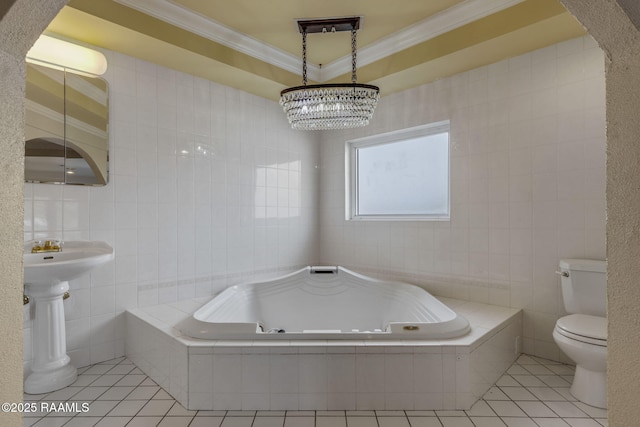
x: 66, y: 134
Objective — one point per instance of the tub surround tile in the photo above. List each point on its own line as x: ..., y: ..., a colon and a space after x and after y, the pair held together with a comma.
x: 333, y: 374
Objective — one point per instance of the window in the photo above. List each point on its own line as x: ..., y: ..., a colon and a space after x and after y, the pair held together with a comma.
x: 401, y: 175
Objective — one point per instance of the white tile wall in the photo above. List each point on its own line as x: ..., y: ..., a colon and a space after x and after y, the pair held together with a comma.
x: 208, y: 185
x: 527, y: 185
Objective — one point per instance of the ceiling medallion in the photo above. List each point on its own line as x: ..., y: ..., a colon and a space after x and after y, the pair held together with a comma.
x: 329, y: 106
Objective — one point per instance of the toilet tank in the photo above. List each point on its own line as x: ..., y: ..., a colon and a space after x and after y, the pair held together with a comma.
x: 584, y: 286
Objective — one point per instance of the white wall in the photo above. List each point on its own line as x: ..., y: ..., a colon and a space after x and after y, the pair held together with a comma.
x: 528, y: 173
x: 527, y: 185
x: 208, y: 186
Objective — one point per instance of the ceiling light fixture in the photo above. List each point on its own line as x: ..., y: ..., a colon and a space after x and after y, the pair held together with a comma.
x: 335, y: 105
x: 59, y: 54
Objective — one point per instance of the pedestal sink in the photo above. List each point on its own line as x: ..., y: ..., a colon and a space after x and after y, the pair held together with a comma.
x: 46, y: 279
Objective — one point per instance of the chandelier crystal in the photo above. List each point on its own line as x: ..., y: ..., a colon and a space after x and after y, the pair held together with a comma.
x: 329, y: 106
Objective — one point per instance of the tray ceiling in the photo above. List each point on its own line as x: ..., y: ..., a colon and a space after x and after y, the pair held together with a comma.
x: 255, y: 45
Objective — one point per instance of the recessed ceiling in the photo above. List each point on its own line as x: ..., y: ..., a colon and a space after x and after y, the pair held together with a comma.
x: 258, y: 20
x: 255, y: 45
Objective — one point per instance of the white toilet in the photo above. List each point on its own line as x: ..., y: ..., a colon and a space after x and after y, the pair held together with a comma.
x: 582, y: 335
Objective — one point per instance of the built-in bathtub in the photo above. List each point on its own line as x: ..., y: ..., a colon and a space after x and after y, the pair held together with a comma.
x: 325, y: 303
x: 423, y: 367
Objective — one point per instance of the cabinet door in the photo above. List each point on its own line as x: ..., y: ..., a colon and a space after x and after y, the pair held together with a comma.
x: 66, y: 133
x: 44, y: 130
x: 86, y: 138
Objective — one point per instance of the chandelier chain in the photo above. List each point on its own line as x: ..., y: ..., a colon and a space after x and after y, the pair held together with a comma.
x: 329, y: 105
x: 353, y: 55
x: 304, y: 57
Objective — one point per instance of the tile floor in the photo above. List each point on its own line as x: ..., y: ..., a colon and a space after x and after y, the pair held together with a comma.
x: 533, y: 393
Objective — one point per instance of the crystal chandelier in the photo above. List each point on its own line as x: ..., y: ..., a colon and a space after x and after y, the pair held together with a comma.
x: 329, y: 106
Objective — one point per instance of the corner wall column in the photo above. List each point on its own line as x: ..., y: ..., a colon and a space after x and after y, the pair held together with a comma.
x: 21, y: 22
x: 612, y: 23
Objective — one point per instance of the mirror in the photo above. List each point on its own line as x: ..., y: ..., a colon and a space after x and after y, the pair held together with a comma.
x: 66, y: 133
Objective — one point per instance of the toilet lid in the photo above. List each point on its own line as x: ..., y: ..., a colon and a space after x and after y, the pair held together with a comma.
x: 583, y: 327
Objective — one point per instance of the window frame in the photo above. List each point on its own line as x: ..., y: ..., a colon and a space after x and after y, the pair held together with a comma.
x: 351, y: 166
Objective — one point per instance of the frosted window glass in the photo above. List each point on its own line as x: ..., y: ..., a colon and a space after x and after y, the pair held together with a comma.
x: 408, y: 177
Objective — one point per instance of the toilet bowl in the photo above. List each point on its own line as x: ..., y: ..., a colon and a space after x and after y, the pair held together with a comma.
x: 583, y: 338
x: 582, y: 335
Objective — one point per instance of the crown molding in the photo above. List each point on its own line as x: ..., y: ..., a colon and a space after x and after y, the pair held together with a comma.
x: 447, y: 20
x: 438, y: 24
x: 198, y: 24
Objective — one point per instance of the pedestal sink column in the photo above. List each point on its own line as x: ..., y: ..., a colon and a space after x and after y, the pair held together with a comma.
x: 51, y: 369
x: 46, y: 278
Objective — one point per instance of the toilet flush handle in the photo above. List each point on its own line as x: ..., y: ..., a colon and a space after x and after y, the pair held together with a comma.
x: 563, y: 273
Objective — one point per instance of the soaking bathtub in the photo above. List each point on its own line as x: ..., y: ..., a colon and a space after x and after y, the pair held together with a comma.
x: 324, y: 303
x: 324, y: 339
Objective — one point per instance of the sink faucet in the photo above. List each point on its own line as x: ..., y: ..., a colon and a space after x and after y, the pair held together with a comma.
x: 47, y: 246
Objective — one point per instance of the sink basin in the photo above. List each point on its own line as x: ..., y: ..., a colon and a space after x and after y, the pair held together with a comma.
x: 76, y: 259
x: 46, y: 281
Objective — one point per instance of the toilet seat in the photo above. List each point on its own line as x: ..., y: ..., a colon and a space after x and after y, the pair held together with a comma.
x: 584, y: 328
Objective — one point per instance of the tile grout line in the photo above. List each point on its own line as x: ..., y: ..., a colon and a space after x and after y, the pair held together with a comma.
x: 511, y: 383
